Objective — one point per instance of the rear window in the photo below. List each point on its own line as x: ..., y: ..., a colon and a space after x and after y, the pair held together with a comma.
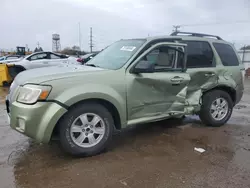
x: 227, y: 54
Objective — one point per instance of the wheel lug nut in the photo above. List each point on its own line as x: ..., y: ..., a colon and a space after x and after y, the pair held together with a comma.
x: 83, y: 130
x: 91, y: 131
x: 86, y: 134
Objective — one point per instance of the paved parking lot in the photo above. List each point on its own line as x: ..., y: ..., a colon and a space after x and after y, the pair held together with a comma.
x: 153, y: 155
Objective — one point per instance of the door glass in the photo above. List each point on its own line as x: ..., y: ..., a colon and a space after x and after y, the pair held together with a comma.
x: 12, y: 57
x: 53, y: 56
x: 199, y: 54
x: 38, y: 56
x: 227, y: 54
x: 162, y: 57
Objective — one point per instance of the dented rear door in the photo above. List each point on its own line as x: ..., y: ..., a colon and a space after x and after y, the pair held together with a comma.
x: 201, y: 66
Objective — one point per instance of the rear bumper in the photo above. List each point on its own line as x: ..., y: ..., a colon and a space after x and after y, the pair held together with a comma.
x: 36, y: 121
x: 239, y: 93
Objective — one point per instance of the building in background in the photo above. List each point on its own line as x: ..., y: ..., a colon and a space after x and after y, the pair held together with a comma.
x: 245, y: 58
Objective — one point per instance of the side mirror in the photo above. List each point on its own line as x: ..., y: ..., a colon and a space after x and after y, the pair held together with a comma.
x: 143, y: 67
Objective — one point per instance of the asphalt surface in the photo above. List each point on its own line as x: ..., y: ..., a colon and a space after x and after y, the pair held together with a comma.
x: 158, y: 155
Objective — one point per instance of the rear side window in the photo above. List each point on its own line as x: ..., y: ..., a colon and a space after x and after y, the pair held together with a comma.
x: 227, y: 54
x: 199, y: 54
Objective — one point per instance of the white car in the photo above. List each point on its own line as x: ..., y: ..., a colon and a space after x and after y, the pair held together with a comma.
x: 10, y: 58
x: 39, y: 60
x: 45, y: 59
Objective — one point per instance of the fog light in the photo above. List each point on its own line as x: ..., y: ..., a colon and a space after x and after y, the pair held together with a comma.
x: 20, y: 124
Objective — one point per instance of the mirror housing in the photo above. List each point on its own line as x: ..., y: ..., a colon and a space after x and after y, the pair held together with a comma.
x: 143, y: 67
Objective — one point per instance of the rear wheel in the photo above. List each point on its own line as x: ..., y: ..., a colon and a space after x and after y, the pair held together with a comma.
x: 216, y: 108
x: 86, y: 130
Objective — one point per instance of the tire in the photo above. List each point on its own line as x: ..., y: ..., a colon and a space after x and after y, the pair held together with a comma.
x: 14, y: 71
x: 208, y: 100
x: 69, y: 140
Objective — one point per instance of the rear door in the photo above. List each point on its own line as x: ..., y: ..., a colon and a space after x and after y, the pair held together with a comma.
x: 56, y: 59
x: 201, y: 66
x: 162, y: 91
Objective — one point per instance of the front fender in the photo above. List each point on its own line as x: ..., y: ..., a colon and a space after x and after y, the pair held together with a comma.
x: 76, y: 94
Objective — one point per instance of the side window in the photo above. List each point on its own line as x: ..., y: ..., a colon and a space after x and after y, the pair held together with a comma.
x: 199, y: 54
x: 227, y: 54
x: 163, y: 57
x: 12, y: 57
x: 38, y: 56
x: 54, y: 56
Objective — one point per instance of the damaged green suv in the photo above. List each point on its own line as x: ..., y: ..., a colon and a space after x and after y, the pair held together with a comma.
x: 130, y: 82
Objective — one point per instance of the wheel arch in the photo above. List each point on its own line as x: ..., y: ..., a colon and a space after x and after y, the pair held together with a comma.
x: 231, y: 91
x: 107, y: 104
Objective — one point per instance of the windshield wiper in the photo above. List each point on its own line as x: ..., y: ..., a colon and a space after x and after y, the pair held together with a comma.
x: 92, y: 65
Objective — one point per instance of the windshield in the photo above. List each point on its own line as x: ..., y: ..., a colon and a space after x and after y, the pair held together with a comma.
x: 117, y: 54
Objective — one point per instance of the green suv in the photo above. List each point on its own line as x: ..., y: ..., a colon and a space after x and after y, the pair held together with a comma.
x: 130, y: 82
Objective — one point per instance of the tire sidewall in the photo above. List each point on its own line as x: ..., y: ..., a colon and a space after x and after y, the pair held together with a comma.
x: 65, y: 135
x: 229, y: 112
x: 207, y: 102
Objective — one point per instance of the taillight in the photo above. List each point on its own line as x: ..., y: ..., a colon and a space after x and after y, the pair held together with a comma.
x: 243, y: 74
x: 79, y: 60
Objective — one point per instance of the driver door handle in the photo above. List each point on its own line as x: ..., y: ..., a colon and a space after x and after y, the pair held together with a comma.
x: 176, y: 80
x: 45, y: 62
x: 209, y: 74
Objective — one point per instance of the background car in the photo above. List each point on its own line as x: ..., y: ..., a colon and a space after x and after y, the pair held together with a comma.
x: 85, y: 58
x: 10, y: 58
x: 40, y: 59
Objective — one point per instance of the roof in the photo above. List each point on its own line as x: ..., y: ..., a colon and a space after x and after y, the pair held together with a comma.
x: 184, y: 38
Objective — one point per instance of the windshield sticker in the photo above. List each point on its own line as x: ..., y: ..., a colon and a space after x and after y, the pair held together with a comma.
x: 128, y: 48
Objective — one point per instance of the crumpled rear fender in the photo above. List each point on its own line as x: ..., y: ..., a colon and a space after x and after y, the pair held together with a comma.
x: 200, y: 84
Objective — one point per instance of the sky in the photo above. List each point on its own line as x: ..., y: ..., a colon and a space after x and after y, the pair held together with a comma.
x: 27, y: 22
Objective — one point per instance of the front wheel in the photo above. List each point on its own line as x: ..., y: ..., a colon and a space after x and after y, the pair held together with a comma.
x: 216, y: 108
x: 86, y: 129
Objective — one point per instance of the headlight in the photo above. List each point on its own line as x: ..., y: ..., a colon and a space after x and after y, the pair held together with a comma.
x: 30, y: 94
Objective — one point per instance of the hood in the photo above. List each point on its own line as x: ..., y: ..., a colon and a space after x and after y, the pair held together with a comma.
x: 39, y: 75
x: 10, y: 61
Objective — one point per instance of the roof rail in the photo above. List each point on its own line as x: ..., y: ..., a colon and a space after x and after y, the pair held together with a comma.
x: 195, y: 34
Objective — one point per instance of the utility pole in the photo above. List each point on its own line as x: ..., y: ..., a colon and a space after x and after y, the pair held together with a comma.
x: 243, y: 55
x: 176, y: 27
x: 91, y: 40
x: 80, y: 46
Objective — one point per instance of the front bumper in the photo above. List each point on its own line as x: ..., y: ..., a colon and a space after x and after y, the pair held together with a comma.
x: 36, y: 121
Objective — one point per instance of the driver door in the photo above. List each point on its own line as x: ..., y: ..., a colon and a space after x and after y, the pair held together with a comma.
x: 157, y: 83
x: 38, y: 60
